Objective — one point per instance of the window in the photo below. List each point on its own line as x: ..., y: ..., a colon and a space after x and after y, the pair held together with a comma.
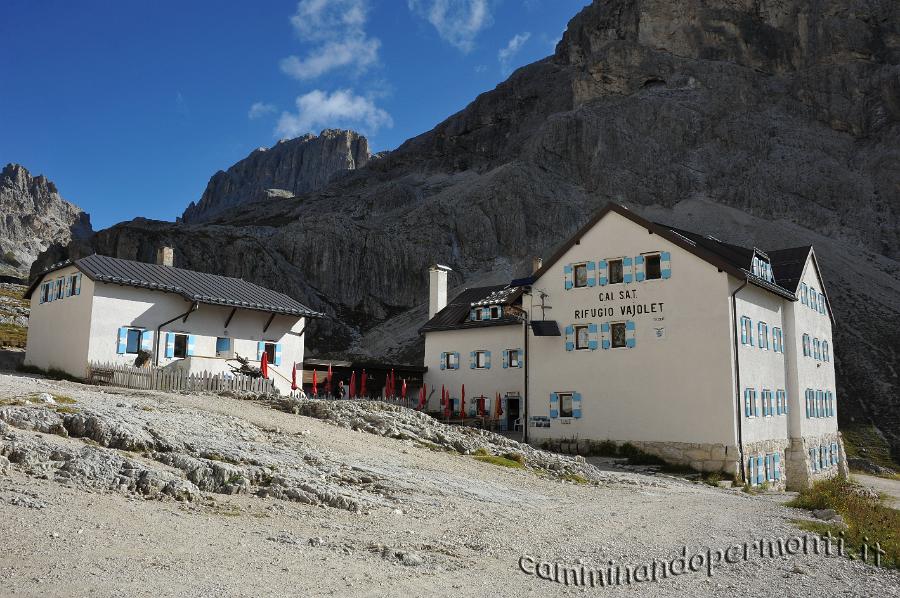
x: 817, y: 349
x: 822, y: 303
x: 806, y: 346
x: 495, y: 313
x: 512, y: 357
x: 746, y: 331
x: 181, y: 342
x: 581, y: 275
x: 826, y: 354
x: 751, y: 409
x: 768, y: 410
x: 481, y: 360
x: 652, y: 266
x: 565, y: 404
x: 223, y: 346
x: 133, y: 341
x: 616, y: 271
x: 812, y: 301
x: 45, y: 292
x: 270, y: 351
x: 804, y: 298
x: 763, y: 335
x: 450, y: 361
x: 619, y: 336
x: 582, y: 337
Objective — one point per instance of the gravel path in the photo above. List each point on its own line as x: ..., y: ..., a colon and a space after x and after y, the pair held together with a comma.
x: 410, y: 521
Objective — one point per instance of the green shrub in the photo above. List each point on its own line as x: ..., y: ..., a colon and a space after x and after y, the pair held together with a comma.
x: 501, y: 461
x: 517, y: 457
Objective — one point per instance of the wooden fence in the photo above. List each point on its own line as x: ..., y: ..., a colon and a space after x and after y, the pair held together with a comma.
x: 154, y: 378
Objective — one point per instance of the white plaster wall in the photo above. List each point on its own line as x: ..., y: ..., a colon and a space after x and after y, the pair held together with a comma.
x: 807, y: 372
x: 115, y: 306
x: 58, y: 331
x: 487, y: 382
x: 676, y: 389
x: 761, y: 368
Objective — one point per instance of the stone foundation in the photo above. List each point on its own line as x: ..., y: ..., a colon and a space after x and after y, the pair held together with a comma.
x: 777, y: 446
x: 698, y: 456
x: 800, y: 471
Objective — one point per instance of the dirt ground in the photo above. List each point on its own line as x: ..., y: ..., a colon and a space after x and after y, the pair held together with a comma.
x: 445, y: 524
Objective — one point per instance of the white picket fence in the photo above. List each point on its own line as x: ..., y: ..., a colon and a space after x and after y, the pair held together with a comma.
x: 173, y: 379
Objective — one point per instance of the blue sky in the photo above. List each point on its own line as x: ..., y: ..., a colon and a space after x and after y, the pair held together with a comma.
x: 130, y: 107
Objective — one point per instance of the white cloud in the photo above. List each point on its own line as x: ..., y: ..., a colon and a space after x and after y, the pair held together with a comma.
x: 458, y: 22
x: 317, y: 109
x: 260, y: 109
x: 337, y: 27
x: 505, y: 55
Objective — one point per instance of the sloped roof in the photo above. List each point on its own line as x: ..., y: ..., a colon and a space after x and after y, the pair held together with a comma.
x: 456, y: 314
x: 735, y: 260
x: 201, y: 287
x: 788, y: 264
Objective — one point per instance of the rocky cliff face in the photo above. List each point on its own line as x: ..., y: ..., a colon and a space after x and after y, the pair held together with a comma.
x: 34, y: 217
x: 767, y: 123
x: 291, y: 167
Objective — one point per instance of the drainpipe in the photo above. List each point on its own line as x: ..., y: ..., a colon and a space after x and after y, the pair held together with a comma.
x: 527, y: 358
x: 737, y: 379
x: 194, y: 307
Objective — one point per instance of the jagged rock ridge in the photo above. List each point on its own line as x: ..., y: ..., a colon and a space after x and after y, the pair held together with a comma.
x: 767, y: 124
x: 34, y: 217
x: 291, y: 167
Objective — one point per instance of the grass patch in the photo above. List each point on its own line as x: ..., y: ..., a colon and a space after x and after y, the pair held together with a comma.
x: 866, y: 442
x: 13, y: 335
x: 868, y: 520
x: 64, y: 400
x: 65, y: 409
x: 574, y: 477
x: 497, y: 460
x: 713, y: 478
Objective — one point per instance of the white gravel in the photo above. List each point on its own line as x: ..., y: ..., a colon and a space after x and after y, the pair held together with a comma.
x: 373, y: 514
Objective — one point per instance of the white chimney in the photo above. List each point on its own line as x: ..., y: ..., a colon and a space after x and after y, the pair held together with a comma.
x: 165, y: 256
x: 437, y: 289
x: 536, y: 263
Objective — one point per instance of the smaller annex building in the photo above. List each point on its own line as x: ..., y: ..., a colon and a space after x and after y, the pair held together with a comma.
x: 100, y: 309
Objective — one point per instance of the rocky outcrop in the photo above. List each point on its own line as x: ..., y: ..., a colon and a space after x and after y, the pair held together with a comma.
x: 34, y: 217
x: 291, y: 167
x: 769, y: 124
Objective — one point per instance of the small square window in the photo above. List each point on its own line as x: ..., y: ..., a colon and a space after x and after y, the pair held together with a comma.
x: 133, y: 341
x: 565, y: 404
x: 581, y: 275
x: 582, y: 337
x: 480, y: 359
x: 652, y: 267
x: 617, y: 331
x: 223, y: 346
x: 616, y: 271
x: 451, y: 361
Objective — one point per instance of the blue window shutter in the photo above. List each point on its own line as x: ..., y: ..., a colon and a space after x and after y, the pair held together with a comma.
x: 67, y: 287
x: 506, y: 359
x: 769, y: 472
x: 576, y: 405
x: 602, y: 273
x: 604, y: 335
x: 777, y: 460
x: 487, y: 360
x: 743, y: 330
x: 751, y: 477
x: 570, y: 338
x: 521, y: 355
x: 122, y: 340
x: 760, y: 472
x: 170, y: 344
x: 554, y: 405
x: 443, y: 361
x: 755, y: 402
x: 472, y: 359
x: 630, y: 340
x: 591, y: 274
x: 473, y: 315
x: 747, y: 411
x: 569, y: 277
x: 486, y: 313
x: 639, y: 268
x: 78, y: 284
x: 455, y: 365
x: 665, y: 264
x: 41, y: 296
x: 627, y: 270
x: 592, y: 337
x: 277, y: 353
x: 191, y: 345
x: 147, y: 340
x: 260, y: 349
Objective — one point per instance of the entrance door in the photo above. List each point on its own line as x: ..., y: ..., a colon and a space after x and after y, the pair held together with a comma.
x: 512, y: 410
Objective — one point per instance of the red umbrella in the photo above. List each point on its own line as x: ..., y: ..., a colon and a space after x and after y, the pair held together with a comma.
x: 393, y: 382
x: 403, y: 390
x: 448, y: 405
x: 443, y: 397
x: 499, y: 406
x: 328, y: 381
x: 363, y: 392
x: 352, y: 394
x: 315, y: 388
x: 264, y: 364
x: 294, y: 377
x: 462, y: 402
x: 423, y: 396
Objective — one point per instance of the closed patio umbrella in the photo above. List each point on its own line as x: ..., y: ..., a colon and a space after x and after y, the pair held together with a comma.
x: 328, y: 381
x: 352, y: 394
x: 403, y: 390
x: 462, y: 402
x: 363, y: 392
x: 264, y: 364
x: 294, y: 377
x: 315, y: 386
x: 499, y: 406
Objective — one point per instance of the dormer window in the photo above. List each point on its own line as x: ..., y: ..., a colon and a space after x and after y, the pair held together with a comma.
x: 495, y: 312
x: 762, y: 268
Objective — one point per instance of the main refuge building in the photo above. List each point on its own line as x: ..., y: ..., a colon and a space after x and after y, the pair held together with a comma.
x: 701, y: 352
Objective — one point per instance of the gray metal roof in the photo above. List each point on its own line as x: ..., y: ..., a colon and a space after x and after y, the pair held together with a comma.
x: 455, y: 315
x: 211, y: 289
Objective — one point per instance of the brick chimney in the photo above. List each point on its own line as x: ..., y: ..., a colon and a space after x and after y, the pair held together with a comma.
x: 165, y: 256
x: 437, y: 289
